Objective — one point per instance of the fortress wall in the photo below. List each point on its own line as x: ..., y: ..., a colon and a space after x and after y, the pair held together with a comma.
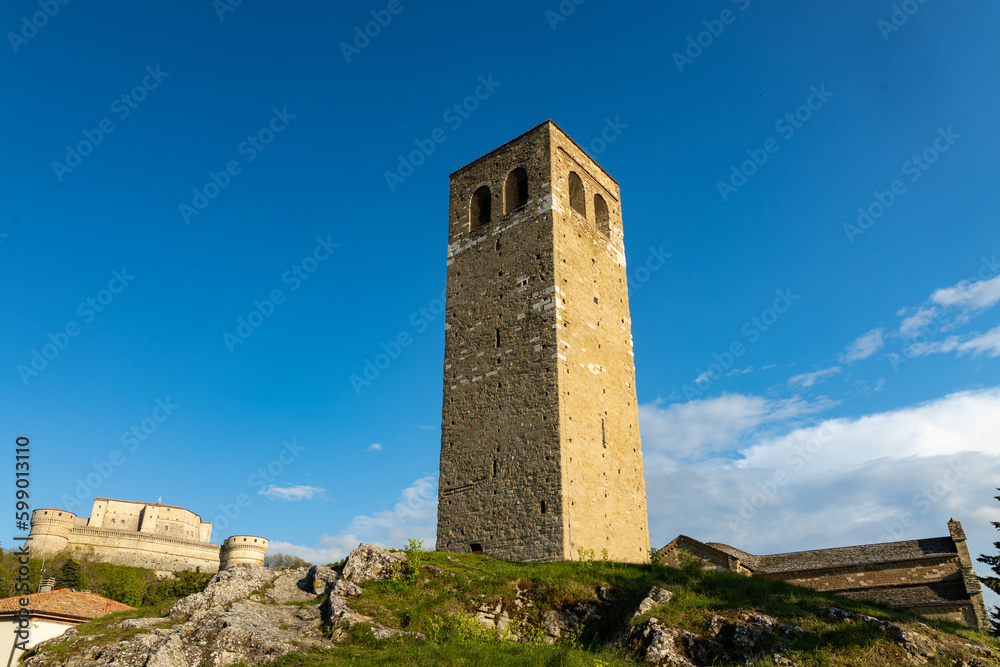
x: 140, y: 550
x: 874, y: 575
x: 243, y: 550
x: 147, y: 518
x: 50, y: 530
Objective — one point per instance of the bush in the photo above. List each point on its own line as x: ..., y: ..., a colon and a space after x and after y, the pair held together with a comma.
x: 284, y: 562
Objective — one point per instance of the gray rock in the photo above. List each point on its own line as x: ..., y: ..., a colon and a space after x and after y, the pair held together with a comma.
x: 319, y: 579
x: 371, y: 563
x: 561, y: 623
x: 657, y: 596
x: 224, y: 627
x: 140, y: 622
x: 918, y: 646
x: 656, y: 644
x: 227, y: 586
x: 289, y: 586
x: 345, y: 588
x: 753, y: 634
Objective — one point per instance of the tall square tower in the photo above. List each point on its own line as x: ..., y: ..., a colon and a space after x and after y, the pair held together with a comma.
x: 540, y: 451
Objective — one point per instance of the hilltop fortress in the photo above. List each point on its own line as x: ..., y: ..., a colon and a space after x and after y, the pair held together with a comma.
x: 150, y: 535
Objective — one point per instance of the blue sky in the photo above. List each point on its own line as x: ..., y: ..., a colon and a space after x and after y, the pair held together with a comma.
x: 181, y: 164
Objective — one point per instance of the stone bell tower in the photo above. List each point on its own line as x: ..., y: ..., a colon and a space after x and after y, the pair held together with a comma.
x: 540, y: 450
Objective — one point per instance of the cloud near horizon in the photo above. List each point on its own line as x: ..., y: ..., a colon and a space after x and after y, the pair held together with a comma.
x: 292, y: 493
x: 769, y: 486
x: 414, y: 516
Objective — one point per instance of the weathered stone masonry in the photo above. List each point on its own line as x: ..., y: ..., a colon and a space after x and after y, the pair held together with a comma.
x: 152, y: 535
x: 540, y: 451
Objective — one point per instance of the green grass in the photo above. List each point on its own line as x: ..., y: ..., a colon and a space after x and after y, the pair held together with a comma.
x: 440, y: 605
x: 471, y: 581
x: 474, y: 654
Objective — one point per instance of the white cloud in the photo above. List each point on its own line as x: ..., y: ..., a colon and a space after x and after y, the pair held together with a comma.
x: 987, y: 343
x: 374, y: 447
x: 894, y: 475
x: 809, y: 379
x: 426, y: 427
x: 414, y: 515
x: 949, y: 308
x: 979, y: 295
x: 705, y: 427
x: 292, y: 493
x: 864, y: 347
x: 913, y: 324
x: 975, y: 344
x: 899, y: 474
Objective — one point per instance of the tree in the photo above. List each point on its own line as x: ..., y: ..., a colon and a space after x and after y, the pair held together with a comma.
x: 71, y: 576
x: 993, y: 583
x: 284, y: 562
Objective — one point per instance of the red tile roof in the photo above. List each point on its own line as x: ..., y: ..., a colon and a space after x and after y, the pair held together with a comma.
x: 65, y: 602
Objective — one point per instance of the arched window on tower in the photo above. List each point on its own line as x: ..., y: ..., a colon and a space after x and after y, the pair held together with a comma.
x: 577, y: 197
x: 480, y: 211
x: 515, y: 190
x: 601, y: 215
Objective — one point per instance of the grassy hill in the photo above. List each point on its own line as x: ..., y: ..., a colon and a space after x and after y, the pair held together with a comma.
x: 585, y: 607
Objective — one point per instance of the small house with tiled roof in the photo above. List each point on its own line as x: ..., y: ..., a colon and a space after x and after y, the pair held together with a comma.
x: 48, y: 615
x: 932, y: 577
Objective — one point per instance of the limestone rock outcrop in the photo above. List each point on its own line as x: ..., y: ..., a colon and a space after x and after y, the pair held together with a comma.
x: 245, y: 614
x: 370, y: 562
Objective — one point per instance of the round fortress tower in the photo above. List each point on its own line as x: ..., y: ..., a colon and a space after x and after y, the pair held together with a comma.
x: 50, y: 530
x: 243, y: 550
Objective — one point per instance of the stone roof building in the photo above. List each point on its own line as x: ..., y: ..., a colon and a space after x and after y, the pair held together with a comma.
x: 932, y: 577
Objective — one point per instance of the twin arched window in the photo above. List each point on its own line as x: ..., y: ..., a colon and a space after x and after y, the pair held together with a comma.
x: 578, y: 202
x: 515, y: 197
